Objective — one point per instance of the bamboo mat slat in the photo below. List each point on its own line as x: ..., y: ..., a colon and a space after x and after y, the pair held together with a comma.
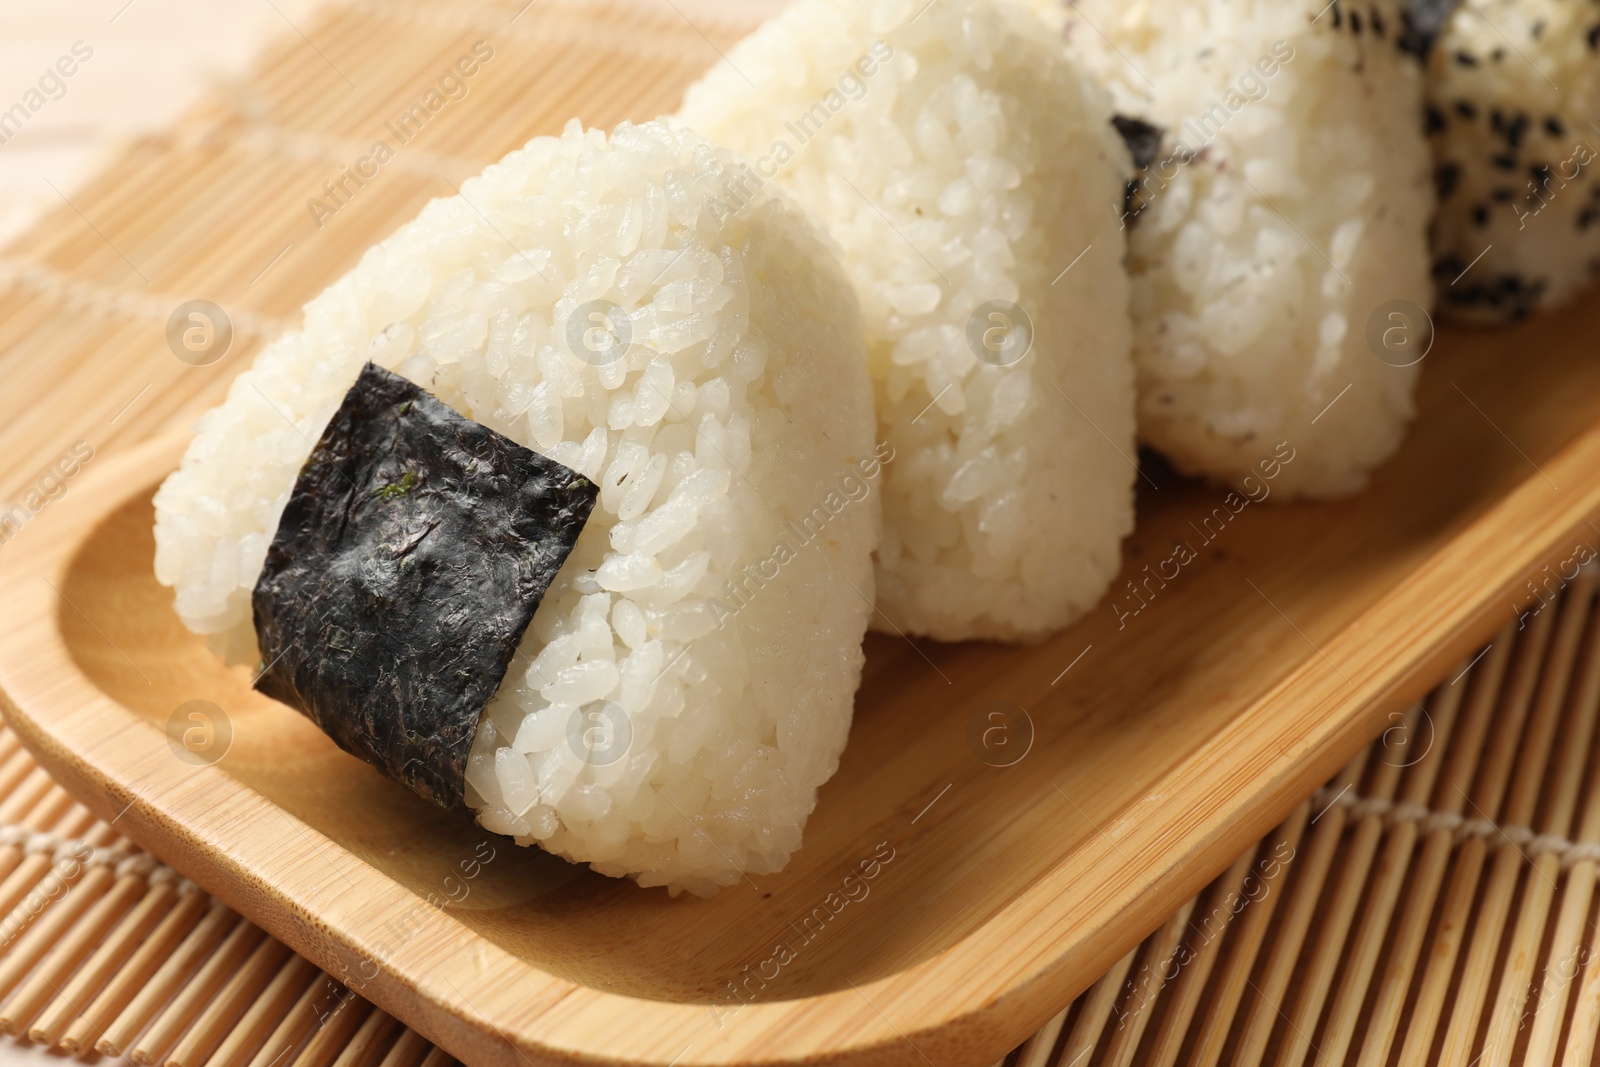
x: 1435, y: 903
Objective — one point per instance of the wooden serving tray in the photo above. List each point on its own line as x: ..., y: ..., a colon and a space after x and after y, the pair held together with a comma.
x: 1143, y: 755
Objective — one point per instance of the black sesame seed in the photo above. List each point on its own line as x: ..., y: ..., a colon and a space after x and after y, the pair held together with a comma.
x: 1433, y: 120
x: 1594, y: 37
x: 1446, y: 177
x: 1537, y: 29
x: 1516, y: 130
x: 1503, y: 196
x: 1377, y: 22
x: 1480, y: 215
x: 1466, y: 109
x: 1498, y: 55
x: 1355, y: 22
x: 1508, y: 295
x: 1504, y: 162
x: 1466, y: 59
x: 1553, y: 126
x: 1586, y: 218
x: 1497, y: 120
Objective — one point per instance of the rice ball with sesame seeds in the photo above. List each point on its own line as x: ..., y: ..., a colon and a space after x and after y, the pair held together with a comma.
x: 732, y: 442
x: 1513, y: 95
x: 962, y: 165
x: 1281, y: 213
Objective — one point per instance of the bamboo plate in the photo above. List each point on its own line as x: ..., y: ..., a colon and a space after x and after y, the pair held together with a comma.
x: 1027, y: 814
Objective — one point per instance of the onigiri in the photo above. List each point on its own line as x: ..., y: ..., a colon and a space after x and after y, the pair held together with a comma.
x: 961, y: 162
x: 706, y: 374
x: 1277, y: 229
x: 1513, y: 91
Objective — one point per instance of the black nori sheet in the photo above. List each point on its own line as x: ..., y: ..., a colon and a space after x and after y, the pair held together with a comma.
x: 1144, y: 145
x: 410, y: 558
x: 1142, y: 138
x: 1422, y: 21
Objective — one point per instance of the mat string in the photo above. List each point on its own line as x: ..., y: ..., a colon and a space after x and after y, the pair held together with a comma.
x: 709, y: 19
x: 123, y: 858
x: 1428, y: 820
x: 106, y: 301
x: 281, y: 141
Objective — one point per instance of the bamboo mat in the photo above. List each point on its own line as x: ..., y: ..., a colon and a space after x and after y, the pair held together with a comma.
x: 148, y: 62
x: 104, y: 950
x: 1435, y: 904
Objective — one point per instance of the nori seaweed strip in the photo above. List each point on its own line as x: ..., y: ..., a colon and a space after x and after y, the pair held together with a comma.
x: 1144, y: 145
x: 413, y: 552
x: 1142, y: 138
x: 1422, y: 21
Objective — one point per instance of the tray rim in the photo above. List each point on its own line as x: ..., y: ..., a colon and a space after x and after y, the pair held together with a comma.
x: 965, y: 1004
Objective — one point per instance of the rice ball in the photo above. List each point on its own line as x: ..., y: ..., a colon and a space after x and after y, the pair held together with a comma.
x: 1279, y: 219
x: 960, y: 163
x: 1513, y: 91
x: 707, y: 372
